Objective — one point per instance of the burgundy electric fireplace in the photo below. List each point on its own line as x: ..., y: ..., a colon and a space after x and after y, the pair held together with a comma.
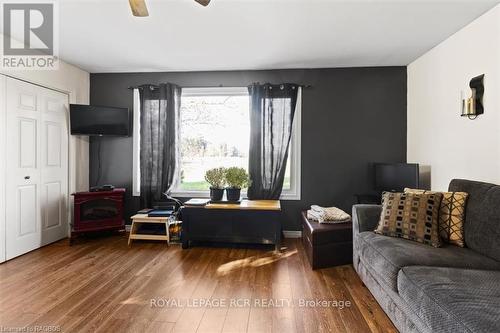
x: 97, y: 211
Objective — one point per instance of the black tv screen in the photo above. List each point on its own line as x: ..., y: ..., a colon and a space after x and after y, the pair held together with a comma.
x: 396, y: 176
x: 99, y: 120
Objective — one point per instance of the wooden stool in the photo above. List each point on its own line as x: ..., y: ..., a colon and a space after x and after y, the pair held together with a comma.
x: 139, y: 219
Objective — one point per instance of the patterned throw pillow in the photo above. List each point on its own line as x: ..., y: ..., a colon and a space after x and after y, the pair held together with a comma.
x: 451, y: 215
x: 411, y: 216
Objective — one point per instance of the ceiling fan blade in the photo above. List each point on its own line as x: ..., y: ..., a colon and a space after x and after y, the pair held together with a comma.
x: 203, y: 2
x: 138, y: 8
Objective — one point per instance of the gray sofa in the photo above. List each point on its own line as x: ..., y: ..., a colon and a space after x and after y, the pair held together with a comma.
x: 426, y: 289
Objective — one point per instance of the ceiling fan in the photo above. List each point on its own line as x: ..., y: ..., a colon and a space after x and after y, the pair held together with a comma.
x: 139, y: 6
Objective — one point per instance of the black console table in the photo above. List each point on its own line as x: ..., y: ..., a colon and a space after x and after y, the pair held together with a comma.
x: 251, y: 221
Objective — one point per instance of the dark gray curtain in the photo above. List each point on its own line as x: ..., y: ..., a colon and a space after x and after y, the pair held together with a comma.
x: 272, y: 108
x: 159, y: 120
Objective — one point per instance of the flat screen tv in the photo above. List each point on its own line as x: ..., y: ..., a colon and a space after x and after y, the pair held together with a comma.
x: 99, y: 120
x: 395, y: 177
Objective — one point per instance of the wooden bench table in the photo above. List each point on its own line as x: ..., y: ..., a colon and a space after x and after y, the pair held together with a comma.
x: 139, y: 219
x: 251, y: 221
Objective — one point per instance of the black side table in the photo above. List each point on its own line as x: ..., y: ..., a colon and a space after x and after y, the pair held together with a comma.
x: 327, y: 244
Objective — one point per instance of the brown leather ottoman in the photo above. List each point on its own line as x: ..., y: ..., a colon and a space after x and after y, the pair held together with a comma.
x: 327, y: 245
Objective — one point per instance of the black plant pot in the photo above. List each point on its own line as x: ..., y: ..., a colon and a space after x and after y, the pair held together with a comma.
x: 233, y: 194
x: 216, y: 194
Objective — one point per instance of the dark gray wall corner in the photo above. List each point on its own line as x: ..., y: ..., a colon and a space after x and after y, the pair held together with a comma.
x: 350, y: 118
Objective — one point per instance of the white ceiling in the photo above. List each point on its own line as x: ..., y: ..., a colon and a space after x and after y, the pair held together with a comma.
x: 181, y: 35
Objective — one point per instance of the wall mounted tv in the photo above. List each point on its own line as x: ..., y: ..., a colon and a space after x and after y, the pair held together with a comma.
x: 99, y: 120
x: 396, y: 176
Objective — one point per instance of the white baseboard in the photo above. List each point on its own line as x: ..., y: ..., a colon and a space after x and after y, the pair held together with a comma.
x: 292, y: 233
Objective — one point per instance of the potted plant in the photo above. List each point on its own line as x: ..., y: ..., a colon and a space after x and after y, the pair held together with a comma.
x: 236, y: 179
x: 216, y: 177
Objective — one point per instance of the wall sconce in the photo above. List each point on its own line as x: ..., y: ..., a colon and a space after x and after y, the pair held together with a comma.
x: 473, y: 106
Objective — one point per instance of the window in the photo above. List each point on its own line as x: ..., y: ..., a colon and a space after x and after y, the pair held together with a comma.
x: 214, y: 131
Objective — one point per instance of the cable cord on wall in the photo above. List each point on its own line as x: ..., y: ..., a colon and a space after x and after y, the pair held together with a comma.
x: 98, y: 162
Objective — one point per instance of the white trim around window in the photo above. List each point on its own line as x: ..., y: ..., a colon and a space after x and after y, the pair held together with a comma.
x: 136, y: 164
x: 215, y: 91
x: 294, y: 193
x: 295, y: 154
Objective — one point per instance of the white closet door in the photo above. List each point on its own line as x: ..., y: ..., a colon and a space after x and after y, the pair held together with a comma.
x: 36, y: 167
x: 23, y: 213
x: 2, y: 166
x: 54, y: 165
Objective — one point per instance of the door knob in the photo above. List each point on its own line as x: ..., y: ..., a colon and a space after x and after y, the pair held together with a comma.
x: 27, y: 177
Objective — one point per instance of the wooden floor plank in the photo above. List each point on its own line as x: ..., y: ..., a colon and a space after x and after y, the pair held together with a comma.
x: 260, y: 318
x: 348, y: 314
x: 306, y: 286
x: 373, y: 314
x: 102, y: 285
x: 75, y: 303
x: 214, y: 317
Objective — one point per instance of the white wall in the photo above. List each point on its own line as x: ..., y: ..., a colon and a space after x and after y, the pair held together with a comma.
x: 454, y: 146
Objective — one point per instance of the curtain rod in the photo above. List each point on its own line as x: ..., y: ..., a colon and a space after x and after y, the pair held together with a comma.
x: 219, y: 86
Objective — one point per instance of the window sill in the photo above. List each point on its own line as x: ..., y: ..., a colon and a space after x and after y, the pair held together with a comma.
x: 190, y: 194
x: 290, y: 196
x: 206, y: 194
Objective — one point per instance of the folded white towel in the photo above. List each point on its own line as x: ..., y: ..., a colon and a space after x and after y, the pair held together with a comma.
x: 328, y: 214
x: 312, y: 215
x: 317, y: 208
x: 315, y: 216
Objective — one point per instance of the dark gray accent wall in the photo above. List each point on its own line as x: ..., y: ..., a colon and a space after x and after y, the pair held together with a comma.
x: 351, y: 117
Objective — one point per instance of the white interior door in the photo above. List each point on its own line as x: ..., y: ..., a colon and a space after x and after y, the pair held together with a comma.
x: 54, y: 165
x: 23, y: 214
x: 2, y: 166
x: 36, y: 167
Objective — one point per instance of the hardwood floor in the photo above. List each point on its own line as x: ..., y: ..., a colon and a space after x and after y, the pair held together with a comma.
x: 102, y: 285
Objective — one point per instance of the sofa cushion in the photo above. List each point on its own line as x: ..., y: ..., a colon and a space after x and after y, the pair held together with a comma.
x: 411, y: 216
x: 385, y: 256
x: 451, y: 215
x: 482, y: 216
x: 452, y: 299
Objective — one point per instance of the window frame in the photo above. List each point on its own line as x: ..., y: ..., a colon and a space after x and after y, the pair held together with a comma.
x: 294, y: 193
x: 295, y: 151
x: 136, y: 137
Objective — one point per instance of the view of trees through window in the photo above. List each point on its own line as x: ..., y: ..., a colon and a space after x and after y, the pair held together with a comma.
x: 214, y: 132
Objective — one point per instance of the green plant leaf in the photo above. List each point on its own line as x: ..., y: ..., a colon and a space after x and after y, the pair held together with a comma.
x: 237, y: 178
x: 216, y: 177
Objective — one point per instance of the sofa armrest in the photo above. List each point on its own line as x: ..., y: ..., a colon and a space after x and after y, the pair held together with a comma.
x: 365, y: 217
